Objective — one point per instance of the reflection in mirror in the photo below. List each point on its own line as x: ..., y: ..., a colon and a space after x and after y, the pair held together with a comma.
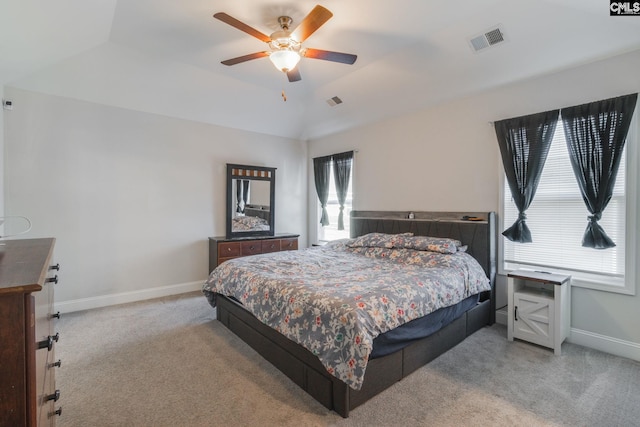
x: 250, y: 198
x: 252, y: 209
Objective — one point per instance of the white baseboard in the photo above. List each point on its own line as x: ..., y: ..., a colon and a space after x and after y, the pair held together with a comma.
x: 125, y: 297
x: 501, y: 316
x: 615, y: 346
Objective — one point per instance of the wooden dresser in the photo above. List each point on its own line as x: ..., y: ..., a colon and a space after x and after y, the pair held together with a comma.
x: 222, y: 249
x: 27, y: 366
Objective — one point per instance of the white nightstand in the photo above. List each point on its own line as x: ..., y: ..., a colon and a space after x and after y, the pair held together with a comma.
x: 539, y: 307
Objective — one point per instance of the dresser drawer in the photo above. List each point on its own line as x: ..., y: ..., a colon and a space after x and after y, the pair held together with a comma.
x: 252, y: 247
x: 272, y: 245
x: 222, y: 249
x: 221, y: 260
x: 289, y: 244
x: 229, y: 250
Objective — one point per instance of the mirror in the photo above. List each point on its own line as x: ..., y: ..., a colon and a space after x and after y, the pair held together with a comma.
x: 250, y: 200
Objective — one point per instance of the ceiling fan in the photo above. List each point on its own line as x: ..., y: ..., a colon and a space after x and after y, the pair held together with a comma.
x: 285, y: 45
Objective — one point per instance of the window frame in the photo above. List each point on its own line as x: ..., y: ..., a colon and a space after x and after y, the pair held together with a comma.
x: 626, y: 285
x: 347, y: 215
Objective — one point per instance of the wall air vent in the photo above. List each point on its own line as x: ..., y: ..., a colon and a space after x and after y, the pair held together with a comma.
x: 487, y: 39
x: 334, y: 101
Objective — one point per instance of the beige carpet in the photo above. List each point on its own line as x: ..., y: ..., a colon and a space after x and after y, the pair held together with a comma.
x: 168, y: 362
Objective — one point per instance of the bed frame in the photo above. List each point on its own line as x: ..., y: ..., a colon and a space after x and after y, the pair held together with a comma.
x: 305, y: 369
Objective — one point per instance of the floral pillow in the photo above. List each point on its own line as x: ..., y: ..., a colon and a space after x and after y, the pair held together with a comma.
x: 426, y: 243
x: 377, y: 240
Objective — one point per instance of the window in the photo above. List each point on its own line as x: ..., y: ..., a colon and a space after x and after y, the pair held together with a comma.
x: 331, y: 232
x: 557, y: 219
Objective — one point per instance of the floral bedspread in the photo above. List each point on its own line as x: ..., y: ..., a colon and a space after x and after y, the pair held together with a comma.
x: 334, y: 300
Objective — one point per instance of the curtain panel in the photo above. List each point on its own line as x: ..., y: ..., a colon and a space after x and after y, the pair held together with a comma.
x: 596, y: 133
x: 321, y: 173
x: 341, y: 172
x: 524, y: 145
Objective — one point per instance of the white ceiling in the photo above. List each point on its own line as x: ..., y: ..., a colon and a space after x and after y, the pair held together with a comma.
x: 163, y: 56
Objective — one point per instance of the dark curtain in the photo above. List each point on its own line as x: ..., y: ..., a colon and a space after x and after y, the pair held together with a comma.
x: 595, y: 134
x: 341, y: 173
x: 245, y: 193
x: 238, y: 196
x: 321, y: 171
x: 524, y: 145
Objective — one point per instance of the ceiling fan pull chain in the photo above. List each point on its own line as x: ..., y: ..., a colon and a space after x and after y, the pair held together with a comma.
x: 284, y: 96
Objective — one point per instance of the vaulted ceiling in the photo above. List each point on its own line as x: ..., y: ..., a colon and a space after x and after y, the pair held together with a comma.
x: 164, y: 57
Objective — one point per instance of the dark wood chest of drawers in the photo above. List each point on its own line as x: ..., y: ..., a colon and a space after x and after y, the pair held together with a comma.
x: 222, y: 249
x: 27, y: 367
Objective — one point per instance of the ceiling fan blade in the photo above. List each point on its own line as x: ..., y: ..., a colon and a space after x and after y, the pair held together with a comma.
x: 327, y: 55
x: 294, y: 75
x: 314, y: 20
x: 244, y: 58
x: 242, y: 26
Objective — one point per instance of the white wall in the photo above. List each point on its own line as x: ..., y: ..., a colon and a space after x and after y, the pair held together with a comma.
x: 447, y: 158
x: 132, y: 197
x: 1, y: 157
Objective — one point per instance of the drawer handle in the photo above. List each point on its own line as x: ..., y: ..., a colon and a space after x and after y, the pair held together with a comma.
x: 52, y: 279
x: 55, y: 316
x: 515, y: 313
x: 251, y: 248
x: 273, y: 246
x: 55, y: 396
x: 55, y: 364
x: 48, y: 343
x: 55, y: 267
x: 229, y: 249
x: 57, y: 412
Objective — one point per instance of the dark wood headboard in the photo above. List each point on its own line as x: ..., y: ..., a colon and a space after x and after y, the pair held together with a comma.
x: 479, y: 236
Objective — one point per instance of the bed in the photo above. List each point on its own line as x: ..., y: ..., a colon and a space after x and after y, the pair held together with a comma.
x: 343, y: 359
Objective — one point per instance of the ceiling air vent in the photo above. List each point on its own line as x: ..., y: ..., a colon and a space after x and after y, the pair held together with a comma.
x: 487, y: 39
x: 334, y: 101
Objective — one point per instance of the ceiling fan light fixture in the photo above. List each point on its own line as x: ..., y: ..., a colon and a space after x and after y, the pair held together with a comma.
x: 285, y: 60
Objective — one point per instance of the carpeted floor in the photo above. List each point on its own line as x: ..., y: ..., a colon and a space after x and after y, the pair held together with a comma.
x: 168, y: 362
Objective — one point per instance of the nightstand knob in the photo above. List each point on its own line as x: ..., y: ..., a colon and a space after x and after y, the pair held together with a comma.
x: 55, y: 316
x: 52, y: 279
x: 57, y: 412
x: 55, y: 267
x: 55, y: 364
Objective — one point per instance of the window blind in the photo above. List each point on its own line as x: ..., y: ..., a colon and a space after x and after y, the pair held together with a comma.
x: 557, y: 219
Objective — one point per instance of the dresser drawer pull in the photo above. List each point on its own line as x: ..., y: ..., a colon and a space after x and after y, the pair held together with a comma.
x: 252, y: 248
x: 55, y: 316
x: 229, y: 249
x: 55, y: 267
x: 48, y: 343
x: 55, y: 396
x: 57, y: 412
x: 55, y: 364
x: 52, y: 279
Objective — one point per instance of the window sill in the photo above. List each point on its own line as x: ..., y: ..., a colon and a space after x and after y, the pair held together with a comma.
x: 616, y: 285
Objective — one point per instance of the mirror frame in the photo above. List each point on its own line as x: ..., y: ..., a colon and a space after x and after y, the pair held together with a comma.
x: 254, y: 173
